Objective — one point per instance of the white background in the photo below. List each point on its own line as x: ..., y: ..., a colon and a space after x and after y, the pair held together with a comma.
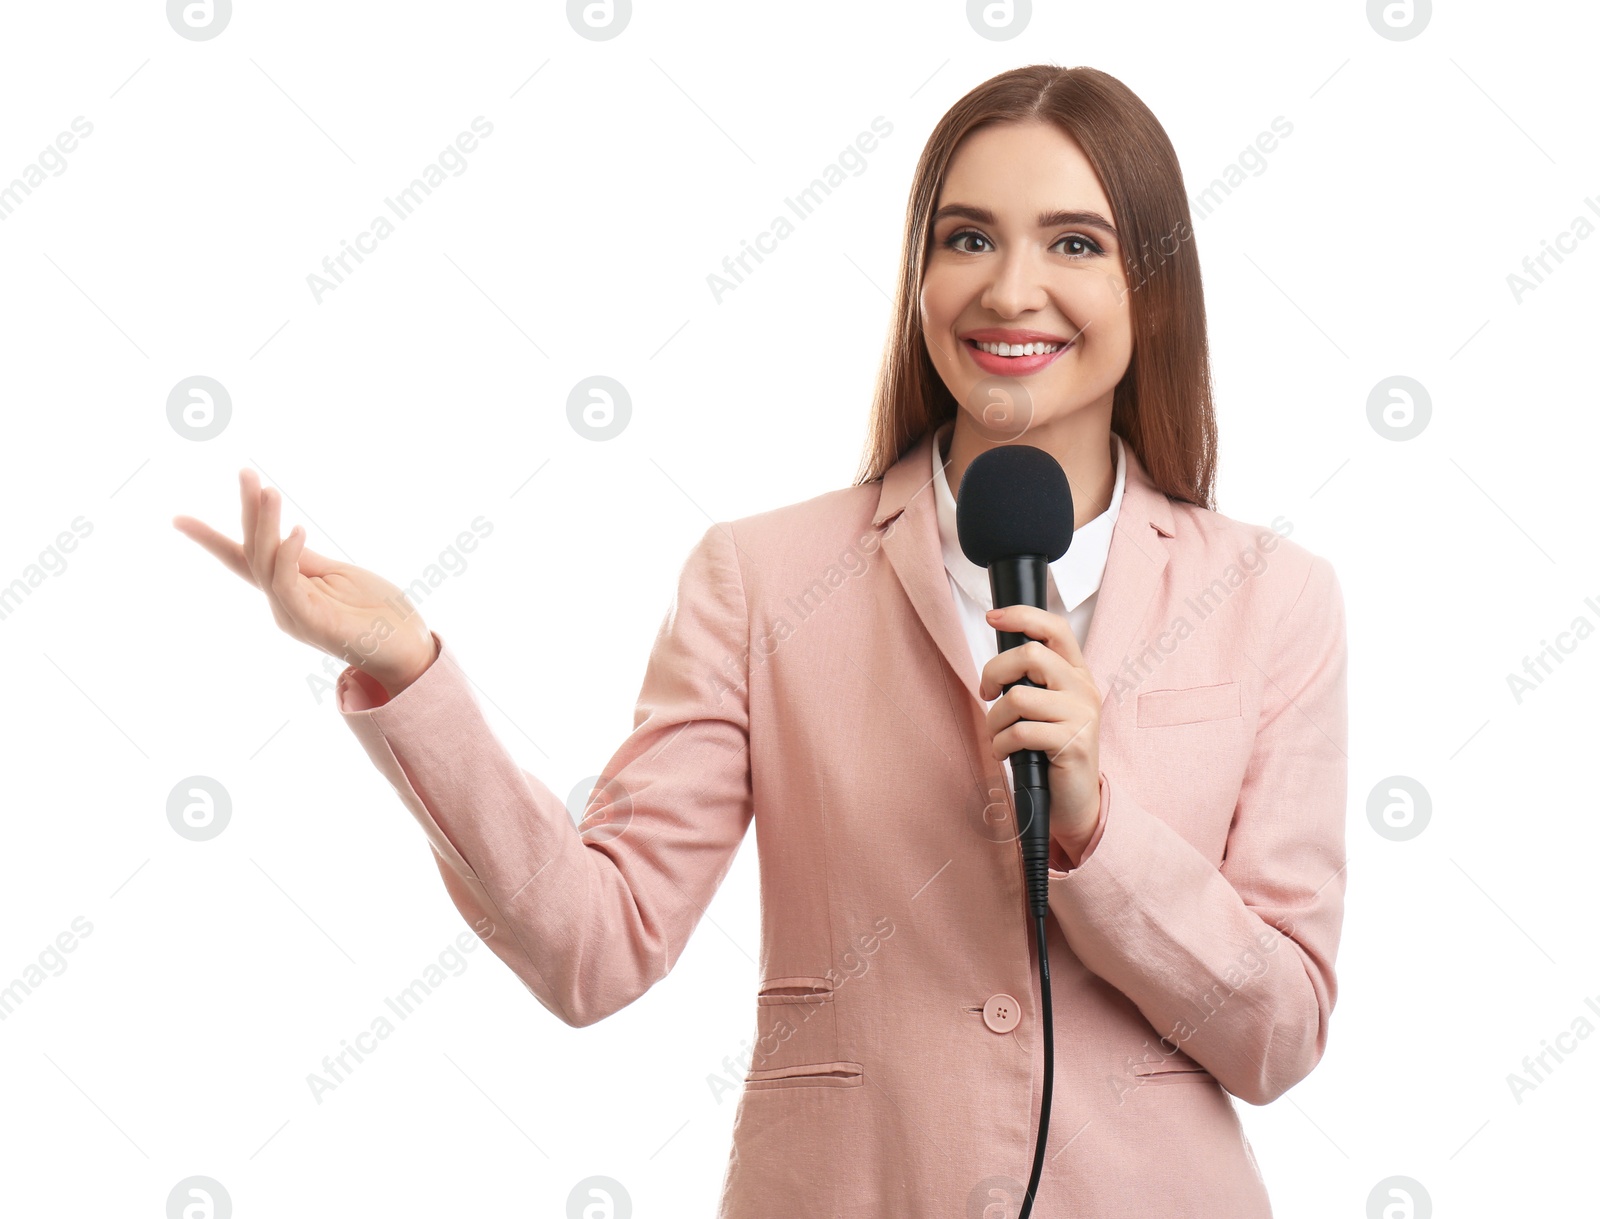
x: 430, y: 388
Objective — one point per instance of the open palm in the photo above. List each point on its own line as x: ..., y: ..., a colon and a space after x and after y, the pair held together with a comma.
x: 344, y: 610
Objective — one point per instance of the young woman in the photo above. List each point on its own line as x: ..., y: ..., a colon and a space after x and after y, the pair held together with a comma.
x: 828, y: 669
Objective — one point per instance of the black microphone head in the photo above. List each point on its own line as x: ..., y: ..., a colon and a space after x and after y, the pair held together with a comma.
x: 1014, y: 500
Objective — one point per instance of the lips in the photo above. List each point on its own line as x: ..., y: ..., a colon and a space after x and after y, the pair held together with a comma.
x: 1013, y: 366
x: 1006, y: 334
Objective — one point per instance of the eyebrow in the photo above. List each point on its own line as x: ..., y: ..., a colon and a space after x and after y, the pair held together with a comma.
x: 1046, y: 220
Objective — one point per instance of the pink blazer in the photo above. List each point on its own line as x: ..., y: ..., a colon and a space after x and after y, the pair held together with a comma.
x: 812, y: 674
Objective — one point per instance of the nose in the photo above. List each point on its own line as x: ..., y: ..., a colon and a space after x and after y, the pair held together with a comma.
x: 1018, y: 283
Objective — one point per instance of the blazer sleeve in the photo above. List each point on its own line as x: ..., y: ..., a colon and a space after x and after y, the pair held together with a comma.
x: 588, y: 920
x: 1235, y: 965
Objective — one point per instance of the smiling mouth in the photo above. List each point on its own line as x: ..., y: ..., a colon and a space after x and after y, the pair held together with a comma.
x: 1016, y: 351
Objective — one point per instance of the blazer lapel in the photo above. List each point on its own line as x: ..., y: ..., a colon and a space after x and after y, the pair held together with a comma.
x: 1134, y: 565
x: 914, y: 552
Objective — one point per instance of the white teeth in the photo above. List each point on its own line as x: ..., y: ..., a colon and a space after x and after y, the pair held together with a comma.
x: 1019, y: 349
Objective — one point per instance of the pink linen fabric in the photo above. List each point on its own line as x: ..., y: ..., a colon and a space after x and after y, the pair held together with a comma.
x: 811, y: 676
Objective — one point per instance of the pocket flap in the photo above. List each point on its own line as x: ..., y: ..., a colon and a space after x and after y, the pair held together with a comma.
x: 794, y: 990
x: 807, y: 1075
x: 1166, y: 1067
x: 1190, y: 705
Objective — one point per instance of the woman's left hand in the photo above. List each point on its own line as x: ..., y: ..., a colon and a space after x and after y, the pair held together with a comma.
x: 1061, y: 716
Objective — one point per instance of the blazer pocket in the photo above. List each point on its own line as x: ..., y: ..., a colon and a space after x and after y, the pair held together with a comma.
x: 807, y: 1075
x: 1189, y: 705
x: 797, y: 1039
x: 1176, y: 1069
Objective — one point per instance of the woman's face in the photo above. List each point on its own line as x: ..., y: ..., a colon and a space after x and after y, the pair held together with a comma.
x: 1024, y: 251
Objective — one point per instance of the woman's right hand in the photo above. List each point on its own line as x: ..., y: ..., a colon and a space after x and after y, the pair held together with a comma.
x: 346, y: 611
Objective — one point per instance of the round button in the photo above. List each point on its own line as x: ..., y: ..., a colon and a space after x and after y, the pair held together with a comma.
x: 1002, y: 1013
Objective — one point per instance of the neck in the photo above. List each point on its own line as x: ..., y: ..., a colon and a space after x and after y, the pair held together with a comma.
x: 1081, y: 443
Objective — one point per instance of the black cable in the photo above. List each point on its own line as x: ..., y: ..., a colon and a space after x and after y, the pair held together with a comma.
x: 1049, y: 1073
x: 1036, y: 865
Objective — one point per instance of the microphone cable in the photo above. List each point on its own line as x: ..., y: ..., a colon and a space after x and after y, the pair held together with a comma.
x: 1033, y: 793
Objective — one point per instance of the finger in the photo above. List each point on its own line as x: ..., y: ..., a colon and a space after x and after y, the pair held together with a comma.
x: 287, y: 586
x: 267, y: 543
x: 1050, y: 738
x: 1052, y: 630
x: 225, y: 548
x: 1033, y: 660
x: 313, y: 564
x: 1027, y: 703
x: 249, y: 503
x: 266, y: 536
x: 1026, y: 734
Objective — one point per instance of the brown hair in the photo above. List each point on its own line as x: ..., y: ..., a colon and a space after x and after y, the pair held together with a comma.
x: 1162, y: 406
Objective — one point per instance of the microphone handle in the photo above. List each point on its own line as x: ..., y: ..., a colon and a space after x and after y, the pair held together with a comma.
x: 1022, y: 580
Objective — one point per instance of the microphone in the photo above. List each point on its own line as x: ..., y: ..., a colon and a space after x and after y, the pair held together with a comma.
x: 1014, y: 517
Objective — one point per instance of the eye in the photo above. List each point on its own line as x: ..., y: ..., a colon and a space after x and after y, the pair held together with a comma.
x: 1091, y: 246
x: 955, y: 237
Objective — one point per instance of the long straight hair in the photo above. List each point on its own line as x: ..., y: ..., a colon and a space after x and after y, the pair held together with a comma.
x: 1162, y: 406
